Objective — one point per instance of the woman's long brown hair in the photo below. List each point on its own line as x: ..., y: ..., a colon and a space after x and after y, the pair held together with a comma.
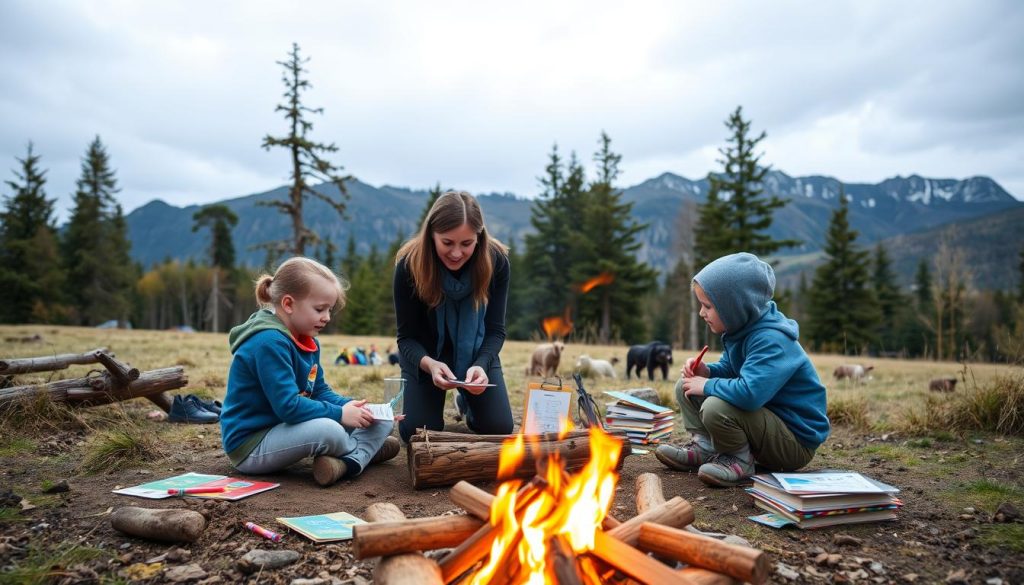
x: 451, y: 210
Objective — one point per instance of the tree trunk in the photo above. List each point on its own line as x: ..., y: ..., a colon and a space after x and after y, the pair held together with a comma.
x: 99, y: 389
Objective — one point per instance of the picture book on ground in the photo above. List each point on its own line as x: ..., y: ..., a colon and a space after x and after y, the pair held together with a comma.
x: 224, y: 487
x: 790, y: 499
x: 324, y: 527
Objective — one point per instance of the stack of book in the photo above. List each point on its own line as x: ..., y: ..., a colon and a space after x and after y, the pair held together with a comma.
x: 813, y: 500
x: 644, y: 422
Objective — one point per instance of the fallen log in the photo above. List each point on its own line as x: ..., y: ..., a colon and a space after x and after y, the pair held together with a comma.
x: 428, y: 436
x: 676, y: 513
x: 378, y: 539
x: 91, y: 391
x: 10, y: 367
x: 441, y: 463
x: 746, y: 564
x: 401, y: 569
x: 163, y: 525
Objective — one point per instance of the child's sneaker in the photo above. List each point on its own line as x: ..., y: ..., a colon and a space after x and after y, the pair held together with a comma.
x: 725, y: 470
x: 327, y: 469
x: 388, y: 450
x: 685, y: 458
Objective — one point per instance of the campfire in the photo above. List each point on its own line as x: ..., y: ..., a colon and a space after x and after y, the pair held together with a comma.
x: 555, y: 528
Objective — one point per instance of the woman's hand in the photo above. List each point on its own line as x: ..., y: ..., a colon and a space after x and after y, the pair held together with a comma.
x: 354, y: 415
x: 440, y: 373
x: 476, y: 380
x: 694, y: 385
x: 702, y: 369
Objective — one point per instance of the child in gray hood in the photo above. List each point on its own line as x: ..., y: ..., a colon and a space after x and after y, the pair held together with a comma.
x: 762, y: 401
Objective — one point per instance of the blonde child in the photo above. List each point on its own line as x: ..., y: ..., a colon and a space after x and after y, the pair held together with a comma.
x: 278, y: 408
x: 762, y: 401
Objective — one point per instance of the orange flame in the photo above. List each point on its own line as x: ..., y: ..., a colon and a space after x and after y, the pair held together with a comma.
x: 571, y: 507
x: 557, y: 326
x: 599, y: 280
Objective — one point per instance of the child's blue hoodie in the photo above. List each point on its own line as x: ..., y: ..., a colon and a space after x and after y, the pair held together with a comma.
x: 763, y: 364
x: 274, y: 378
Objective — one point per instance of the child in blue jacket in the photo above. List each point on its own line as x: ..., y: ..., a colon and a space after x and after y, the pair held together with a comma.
x: 763, y: 400
x: 278, y: 409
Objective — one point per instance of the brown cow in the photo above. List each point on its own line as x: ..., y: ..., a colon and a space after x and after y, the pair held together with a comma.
x: 942, y: 385
x: 545, y: 358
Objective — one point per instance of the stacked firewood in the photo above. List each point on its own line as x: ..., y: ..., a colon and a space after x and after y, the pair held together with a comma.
x: 651, y: 547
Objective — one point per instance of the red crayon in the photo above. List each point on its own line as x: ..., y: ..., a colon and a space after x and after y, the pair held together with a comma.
x: 270, y: 534
x: 700, y: 356
x: 196, y: 490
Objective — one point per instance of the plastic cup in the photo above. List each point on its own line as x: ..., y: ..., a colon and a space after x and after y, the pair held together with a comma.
x: 393, y: 387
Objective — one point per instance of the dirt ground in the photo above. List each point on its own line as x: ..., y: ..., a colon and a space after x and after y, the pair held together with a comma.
x: 932, y: 542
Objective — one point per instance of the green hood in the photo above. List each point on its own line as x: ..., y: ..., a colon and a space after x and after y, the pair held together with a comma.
x: 258, y: 321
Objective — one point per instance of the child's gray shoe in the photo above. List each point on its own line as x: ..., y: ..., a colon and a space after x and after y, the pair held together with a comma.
x: 687, y: 457
x: 388, y: 450
x: 726, y: 470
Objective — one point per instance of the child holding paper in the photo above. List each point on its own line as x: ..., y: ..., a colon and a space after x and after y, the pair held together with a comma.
x: 762, y: 401
x: 278, y: 408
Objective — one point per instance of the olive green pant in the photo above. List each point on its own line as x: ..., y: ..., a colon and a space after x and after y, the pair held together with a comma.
x: 730, y: 429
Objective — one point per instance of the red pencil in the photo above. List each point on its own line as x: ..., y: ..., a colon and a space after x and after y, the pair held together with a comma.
x: 196, y: 490
x: 700, y: 356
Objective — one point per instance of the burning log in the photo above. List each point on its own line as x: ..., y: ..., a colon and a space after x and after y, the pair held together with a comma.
x: 434, y: 463
x: 378, y: 539
x: 746, y: 564
x: 676, y: 512
x: 402, y: 569
x: 478, y: 502
x: 563, y: 562
x: 634, y: 563
x: 705, y: 577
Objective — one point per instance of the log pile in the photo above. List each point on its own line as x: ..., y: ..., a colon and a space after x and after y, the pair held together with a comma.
x: 116, y: 382
x: 619, y: 555
x: 438, y: 458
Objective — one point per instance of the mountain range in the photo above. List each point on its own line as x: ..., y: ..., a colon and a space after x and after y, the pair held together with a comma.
x: 908, y: 214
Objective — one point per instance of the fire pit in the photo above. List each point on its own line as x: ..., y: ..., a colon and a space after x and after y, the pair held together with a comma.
x: 555, y: 528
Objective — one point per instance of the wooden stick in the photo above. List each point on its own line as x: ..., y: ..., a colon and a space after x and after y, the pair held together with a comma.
x: 378, y: 539
x: 122, y: 374
x: 427, y: 436
x: 402, y: 569
x: 705, y: 577
x: 563, y: 562
x: 479, y: 544
x: 633, y: 562
x: 47, y: 363
x: 649, y: 492
x: 80, y: 391
x: 445, y: 463
x: 746, y: 564
x: 676, y: 512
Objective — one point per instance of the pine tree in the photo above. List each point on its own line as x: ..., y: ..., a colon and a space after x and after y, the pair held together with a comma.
x: 432, y: 196
x: 365, y: 297
x: 29, y: 261
x: 890, y: 301
x: 95, y: 247
x: 1020, y: 269
x: 220, y: 219
x: 842, y: 309
x: 307, y: 157
x: 676, y: 306
x: 608, y: 243
x: 737, y: 214
x: 350, y: 262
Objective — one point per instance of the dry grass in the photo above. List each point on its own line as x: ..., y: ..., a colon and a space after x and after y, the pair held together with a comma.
x: 119, y: 448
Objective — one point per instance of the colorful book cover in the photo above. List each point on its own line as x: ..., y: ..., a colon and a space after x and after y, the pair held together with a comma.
x: 323, y: 527
x: 625, y: 400
x: 826, y: 483
x: 234, y: 488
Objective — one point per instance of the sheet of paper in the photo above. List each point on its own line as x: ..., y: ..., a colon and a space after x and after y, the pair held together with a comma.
x: 546, y: 410
x: 381, y: 411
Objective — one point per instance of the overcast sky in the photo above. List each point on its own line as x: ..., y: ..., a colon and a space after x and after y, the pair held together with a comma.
x: 473, y: 94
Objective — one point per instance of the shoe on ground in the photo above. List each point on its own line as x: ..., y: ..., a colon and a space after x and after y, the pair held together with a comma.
x: 213, y: 406
x: 688, y: 457
x: 726, y: 470
x: 186, y: 409
x: 389, y: 450
x: 327, y: 470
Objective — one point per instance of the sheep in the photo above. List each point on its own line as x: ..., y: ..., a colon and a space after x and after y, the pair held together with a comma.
x: 595, y: 368
x: 545, y: 358
x: 852, y: 371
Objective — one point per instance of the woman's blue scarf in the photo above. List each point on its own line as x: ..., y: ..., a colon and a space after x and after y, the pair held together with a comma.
x: 463, y: 322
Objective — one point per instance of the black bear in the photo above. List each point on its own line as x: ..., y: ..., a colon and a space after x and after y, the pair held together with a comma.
x: 654, y: 354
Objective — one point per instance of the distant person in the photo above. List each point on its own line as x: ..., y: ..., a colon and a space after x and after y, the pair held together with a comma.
x: 278, y: 409
x: 451, y: 285
x: 762, y: 401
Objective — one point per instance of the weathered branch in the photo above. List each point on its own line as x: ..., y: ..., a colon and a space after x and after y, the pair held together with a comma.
x: 48, y: 363
x: 96, y: 390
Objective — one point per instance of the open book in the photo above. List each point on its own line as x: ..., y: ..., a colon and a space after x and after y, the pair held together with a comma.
x: 233, y: 487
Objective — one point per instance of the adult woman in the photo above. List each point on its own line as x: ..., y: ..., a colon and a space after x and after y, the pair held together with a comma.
x: 451, y: 285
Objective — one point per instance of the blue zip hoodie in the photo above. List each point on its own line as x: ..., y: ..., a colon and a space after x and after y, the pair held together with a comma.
x: 274, y: 378
x: 763, y: 365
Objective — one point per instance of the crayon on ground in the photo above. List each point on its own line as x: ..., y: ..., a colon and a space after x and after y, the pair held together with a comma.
x: 268, y: 534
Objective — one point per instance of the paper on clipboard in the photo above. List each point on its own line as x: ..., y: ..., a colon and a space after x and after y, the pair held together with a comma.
x: 546, y: 408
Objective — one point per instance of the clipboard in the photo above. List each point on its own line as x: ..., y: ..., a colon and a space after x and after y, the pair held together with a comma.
x: 546, y: 407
